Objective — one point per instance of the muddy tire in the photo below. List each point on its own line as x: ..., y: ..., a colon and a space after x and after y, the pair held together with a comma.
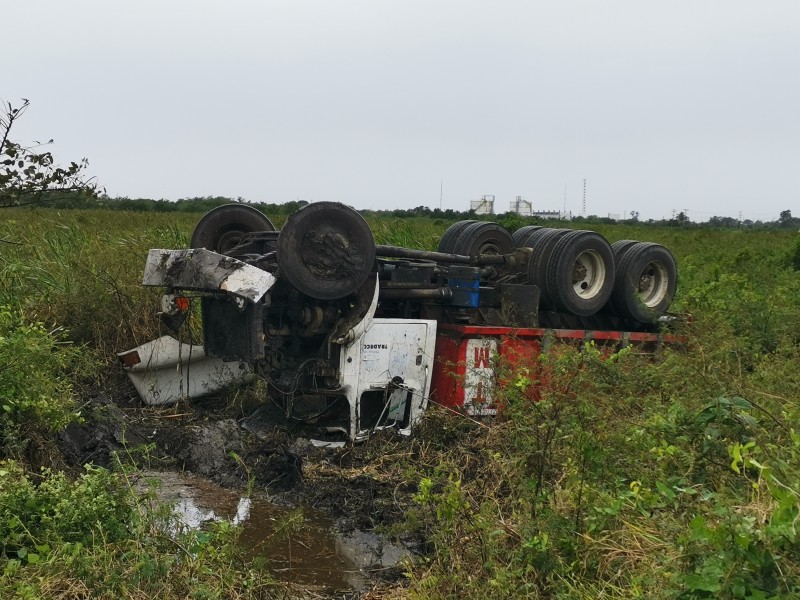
x: 645, y: 283
x: 521, y: 235
x: 223, y: 228
x: 483, y: 237
x: 450, y: 236
x: 580, y: 273
x: 326, y: 250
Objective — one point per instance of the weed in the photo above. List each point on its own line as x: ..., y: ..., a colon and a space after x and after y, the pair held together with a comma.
x: 95, y: 537
x: 35, y: 379
x: 604, y: 476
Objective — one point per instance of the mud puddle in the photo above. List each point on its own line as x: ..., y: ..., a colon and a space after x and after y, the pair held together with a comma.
x: 300, y: 546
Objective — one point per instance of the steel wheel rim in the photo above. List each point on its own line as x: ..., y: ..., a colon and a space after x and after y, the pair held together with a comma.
x: 653, y: 284
x: 588, y: 274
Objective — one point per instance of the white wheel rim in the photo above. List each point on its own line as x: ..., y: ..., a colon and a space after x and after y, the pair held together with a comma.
x: 588, y: 274
x: 653, y: 284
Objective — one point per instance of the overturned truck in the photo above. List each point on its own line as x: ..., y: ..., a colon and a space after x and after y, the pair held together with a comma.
x: 351, y: 336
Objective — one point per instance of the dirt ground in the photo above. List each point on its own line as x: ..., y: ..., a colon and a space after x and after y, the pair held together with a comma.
x: 234, y: 442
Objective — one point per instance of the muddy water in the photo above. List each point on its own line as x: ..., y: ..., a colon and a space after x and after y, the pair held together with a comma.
x: 300, y: 547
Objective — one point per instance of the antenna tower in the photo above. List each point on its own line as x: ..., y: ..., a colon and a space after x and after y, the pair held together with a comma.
x: 584, y: 197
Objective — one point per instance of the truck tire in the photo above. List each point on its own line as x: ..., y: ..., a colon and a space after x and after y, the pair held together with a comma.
x: 542, y: 242
x: 221, y: 229
x: 451, y: 234
x: 326, y: 250
x: 522, y: 234
x: 483, y: 237
x: 580, y: 273
x: 645, y: 283
x: 619, y: 248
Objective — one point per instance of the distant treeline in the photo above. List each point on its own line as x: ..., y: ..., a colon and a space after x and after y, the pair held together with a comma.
x: 203, y: 204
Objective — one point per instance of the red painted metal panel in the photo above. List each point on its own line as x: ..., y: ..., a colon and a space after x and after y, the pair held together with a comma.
x: 464, y: 374
x: 449, y: 368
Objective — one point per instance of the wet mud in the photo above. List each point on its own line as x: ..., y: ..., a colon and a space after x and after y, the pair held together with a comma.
x: 204, y: 456
x: 302, y: 546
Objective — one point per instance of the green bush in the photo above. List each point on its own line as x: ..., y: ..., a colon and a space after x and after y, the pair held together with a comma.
x: 94, y: 508
x: 97, y: 537
x: 36, y: 367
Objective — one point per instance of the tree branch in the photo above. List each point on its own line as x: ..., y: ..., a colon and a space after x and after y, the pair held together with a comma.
x: 26, y: 174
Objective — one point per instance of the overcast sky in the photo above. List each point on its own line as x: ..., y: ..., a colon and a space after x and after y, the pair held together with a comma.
x: 660, y: 106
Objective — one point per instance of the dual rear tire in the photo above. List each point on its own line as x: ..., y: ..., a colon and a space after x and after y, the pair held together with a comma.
x: 646, y: 280
x: 474, y: 238
x: 579, y: 273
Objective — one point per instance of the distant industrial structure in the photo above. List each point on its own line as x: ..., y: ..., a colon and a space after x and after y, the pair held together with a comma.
x: 521, y: 207
x: 561, y: 215
x: 484, y: 206
x: 518, y: 206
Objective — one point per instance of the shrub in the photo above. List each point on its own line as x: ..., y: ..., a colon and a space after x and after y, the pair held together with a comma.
x: 95, y: 538
x: 56, y: 511
x: 35, y: 387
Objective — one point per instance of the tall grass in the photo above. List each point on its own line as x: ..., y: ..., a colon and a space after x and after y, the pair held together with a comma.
x: 675, y: 478
x: 627, y: 479
x: 83, y: 270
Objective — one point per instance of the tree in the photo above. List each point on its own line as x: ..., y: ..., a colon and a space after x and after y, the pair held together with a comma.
x: 726, y: 222
x: 28, y: 175
x: 787, y: 221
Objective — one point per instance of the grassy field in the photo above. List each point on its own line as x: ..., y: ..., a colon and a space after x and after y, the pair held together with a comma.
x: 82, y: 269
x: 677, y: 478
